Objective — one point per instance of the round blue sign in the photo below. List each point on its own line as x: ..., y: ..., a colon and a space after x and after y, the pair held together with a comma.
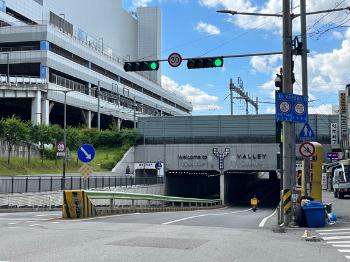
x: 158, y: 165
x: 86, y: 153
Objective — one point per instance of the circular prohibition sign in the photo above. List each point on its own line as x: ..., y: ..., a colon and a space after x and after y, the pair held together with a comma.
x: 174, y: 59
x: 307, y: 149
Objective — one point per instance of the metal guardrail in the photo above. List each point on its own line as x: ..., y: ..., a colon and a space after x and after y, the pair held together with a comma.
x: 148, y: 197
x: 25, y: 184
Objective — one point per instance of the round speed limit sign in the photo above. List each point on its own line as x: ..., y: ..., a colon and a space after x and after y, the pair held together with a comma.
x: 174, y: 59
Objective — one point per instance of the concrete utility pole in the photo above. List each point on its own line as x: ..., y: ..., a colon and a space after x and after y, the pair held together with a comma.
x: 306, y: 167
x: 288, y: 127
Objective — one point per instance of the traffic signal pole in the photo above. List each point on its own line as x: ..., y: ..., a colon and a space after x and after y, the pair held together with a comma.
x: 288, y: 127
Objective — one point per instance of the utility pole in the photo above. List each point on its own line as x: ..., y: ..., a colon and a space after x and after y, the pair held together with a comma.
x: 232, y: 86
x: 98, y: 107
x: 134, y: 107
x: 288, y: 127
x: 306, y: 166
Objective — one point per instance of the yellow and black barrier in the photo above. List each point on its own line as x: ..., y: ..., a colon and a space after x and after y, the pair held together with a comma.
x: 76, y: 204
x: 287, y: 201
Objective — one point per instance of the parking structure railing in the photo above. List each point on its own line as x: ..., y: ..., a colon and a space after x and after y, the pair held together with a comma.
x: 25, y: 184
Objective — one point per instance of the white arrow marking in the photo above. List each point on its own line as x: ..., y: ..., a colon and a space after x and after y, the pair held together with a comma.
x: 88, y: 156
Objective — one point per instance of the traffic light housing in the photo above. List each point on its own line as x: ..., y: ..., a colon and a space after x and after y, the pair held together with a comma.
x: 141, y: 66
x: 205, y: 62
x: 279, y: 132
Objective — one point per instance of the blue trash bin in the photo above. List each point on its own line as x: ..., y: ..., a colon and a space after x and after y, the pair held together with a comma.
x: 315, y: 214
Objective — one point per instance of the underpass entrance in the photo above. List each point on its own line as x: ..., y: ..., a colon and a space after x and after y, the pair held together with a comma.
x: 195, y: 184
x: 240, y: 187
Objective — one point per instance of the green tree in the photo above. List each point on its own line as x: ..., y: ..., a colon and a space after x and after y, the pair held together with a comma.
x: 43, y: 135
x: 29, y: 138
x: 14, y: 131
x: 74, y: 138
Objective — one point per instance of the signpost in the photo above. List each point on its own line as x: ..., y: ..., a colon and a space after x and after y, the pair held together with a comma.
x: 291, y: 108
x: 307, y: 149
x: 60, y: 149
x: 175, y: 59
x: 306, y: 133
x: 86, y: 153
x: 158, y: 166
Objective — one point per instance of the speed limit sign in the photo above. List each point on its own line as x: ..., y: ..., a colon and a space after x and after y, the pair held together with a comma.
x: 174, y: 59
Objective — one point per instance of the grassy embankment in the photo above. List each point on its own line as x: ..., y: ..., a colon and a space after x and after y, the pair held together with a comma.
x: 104, y: 160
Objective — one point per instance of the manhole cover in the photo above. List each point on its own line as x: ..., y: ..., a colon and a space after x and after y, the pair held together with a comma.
x: 173, y: 243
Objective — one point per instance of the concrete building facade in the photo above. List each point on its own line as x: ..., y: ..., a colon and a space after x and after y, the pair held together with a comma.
x: 78, y: 48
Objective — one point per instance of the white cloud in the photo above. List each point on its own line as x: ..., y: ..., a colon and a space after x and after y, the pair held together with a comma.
x: 325, y: 109
x: 207, y: 28
x: 337, y: 35
x: 140, y: 3
x: 275, y: 7
x: 201, y: 100
x: 265, y: 64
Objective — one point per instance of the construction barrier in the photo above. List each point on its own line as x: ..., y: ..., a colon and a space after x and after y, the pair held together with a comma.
x: 76, y: 204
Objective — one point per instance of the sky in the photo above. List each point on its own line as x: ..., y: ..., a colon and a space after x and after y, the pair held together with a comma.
x: 193, y: 28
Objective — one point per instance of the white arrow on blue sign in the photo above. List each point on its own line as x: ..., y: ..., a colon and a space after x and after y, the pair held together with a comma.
x: 86, y: 153
x: 306, y: 133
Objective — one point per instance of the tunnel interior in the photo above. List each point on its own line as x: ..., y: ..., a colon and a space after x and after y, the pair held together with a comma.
x: 240, y: 187
x: 203, y: 184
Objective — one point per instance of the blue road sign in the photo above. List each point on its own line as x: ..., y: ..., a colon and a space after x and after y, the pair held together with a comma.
x: 306, y: 133
x: 158, y: 165
x: 291, y: 108
x: 86, y: 153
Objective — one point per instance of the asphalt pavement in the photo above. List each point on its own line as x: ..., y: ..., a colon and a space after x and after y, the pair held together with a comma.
x: 227, y: 234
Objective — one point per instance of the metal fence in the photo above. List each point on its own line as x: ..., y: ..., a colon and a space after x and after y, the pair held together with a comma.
x: 53, y: 183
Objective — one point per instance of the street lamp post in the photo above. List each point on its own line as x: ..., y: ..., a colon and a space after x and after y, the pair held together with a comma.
x: 63, y: 180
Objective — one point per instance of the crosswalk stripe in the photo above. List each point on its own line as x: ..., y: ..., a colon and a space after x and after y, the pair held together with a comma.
x: 333, y: 233
x: 333, y: 230
x: 341, y: 245
x: 338, y: 242
x: 336, y: 237
x: 344, y: 250
x: 347, y: 257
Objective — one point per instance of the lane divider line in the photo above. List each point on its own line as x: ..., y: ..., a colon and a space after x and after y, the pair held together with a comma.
x: 333, y: 230
x: 204, y: 215
x: 262, y: 223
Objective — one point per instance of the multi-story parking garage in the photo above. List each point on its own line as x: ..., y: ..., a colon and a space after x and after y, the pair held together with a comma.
x: 233, y: 157
x: 47, y: 50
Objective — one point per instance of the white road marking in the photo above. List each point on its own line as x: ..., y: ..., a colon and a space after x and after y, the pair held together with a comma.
x: 336, y: 237
x: 33, y: 225
x: 30, y: 221
x: 204, y: 215
x: 262, y: 223
x: 341, y: 245
x: 47, y: 215
x: 338, y: 242
x: 55, y: 222
x: 347, y: 257
x: 338, y: 233
x: 344, y: 250
x: 11, y: 224
x: 333, y: 230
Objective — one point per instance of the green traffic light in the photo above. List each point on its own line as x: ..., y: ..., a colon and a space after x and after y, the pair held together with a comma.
x: 154, y: 65
x: 218, y: 62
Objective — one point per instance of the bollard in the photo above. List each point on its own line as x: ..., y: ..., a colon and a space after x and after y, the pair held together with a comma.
x: 111, y: 203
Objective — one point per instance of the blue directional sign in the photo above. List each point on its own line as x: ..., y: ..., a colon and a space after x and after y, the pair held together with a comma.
x: 291, y: 108
x: 158, y: 165
x: 86, y: 153
x: 306, y: 133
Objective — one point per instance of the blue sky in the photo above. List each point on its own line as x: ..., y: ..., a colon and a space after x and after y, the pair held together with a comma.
x: 193, y: 28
